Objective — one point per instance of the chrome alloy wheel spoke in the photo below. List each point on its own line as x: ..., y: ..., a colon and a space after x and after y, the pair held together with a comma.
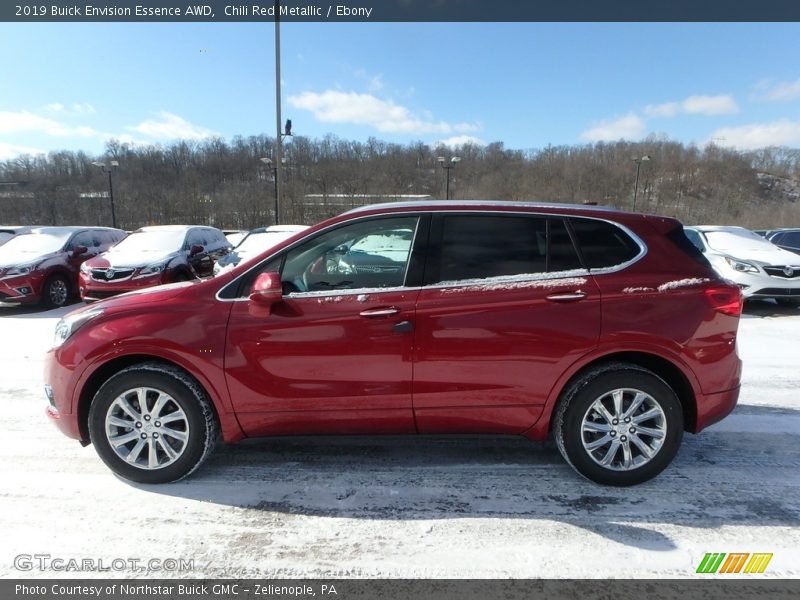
x: 613, y: 430
x: 147, y: 428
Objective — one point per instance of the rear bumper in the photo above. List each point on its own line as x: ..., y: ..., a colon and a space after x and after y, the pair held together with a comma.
x: 715, y: 407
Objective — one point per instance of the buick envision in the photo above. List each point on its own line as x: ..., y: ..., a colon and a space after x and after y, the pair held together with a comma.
x: 607, y: 330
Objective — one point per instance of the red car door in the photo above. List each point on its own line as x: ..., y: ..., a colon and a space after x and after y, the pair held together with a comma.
x: 334, y: 356
x: 506, y: 309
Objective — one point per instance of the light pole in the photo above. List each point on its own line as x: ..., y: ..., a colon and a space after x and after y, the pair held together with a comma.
x: 108, y: 170
x: 443, y: 163
x: 268, y: 161
x: 638, y: 162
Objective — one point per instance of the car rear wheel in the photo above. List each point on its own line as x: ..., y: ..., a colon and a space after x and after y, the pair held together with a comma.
x: 55, y: 292
x: 152, y: 423
x: 619, y: 425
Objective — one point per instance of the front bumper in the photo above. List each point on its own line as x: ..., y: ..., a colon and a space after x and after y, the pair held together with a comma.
x: 92, y: 289
x: 20, y: 290
x: 59, y: 384
x: 762, y: 285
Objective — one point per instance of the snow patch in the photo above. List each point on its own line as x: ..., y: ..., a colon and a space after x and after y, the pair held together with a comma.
x: 636, y: 290
x: 682, y: 283
x: 514, y: 282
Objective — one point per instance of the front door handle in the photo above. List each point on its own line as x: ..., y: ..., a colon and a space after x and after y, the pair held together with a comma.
x: 372, y: 313
x: 567, y: 297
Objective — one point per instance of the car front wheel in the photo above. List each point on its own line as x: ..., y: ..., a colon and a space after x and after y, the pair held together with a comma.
x: 619, y: 425
x: 152, y: 423
x: 55, y: 292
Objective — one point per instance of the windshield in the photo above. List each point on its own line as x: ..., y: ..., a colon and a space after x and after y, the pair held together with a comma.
x: 35, y: 243
x: 151, y: 241
x: 727, y: 241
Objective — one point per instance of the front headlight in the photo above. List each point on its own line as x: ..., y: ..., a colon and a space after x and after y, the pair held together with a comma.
x: 71, y: 323
x: 740, y: 266
x: 20, y: 269
x: 153, y: 269
x: 85, y: 269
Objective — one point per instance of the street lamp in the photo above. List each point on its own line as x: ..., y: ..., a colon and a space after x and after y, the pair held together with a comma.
x: 638, y: 162
x: 268, y: 161
x: 108, y: 170
x: 443, y: 163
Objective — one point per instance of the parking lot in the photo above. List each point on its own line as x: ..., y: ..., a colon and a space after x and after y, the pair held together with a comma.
x: 399, y: 507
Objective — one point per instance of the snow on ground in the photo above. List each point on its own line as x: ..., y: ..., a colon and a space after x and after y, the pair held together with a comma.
x: 394, y: 507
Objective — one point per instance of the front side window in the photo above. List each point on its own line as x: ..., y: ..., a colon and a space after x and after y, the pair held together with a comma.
x: 367, y: 254
x: 481, y: 247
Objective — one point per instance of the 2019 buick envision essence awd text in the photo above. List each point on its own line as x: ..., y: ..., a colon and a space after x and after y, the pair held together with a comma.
x: 608, y: 330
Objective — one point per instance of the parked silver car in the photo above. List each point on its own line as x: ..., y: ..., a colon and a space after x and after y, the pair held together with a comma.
x: 760, y: 268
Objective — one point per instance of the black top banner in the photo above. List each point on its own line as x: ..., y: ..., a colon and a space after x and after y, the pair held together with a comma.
x: 403, y: 11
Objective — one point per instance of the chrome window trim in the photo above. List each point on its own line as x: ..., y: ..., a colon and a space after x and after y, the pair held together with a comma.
x: 603, y: 271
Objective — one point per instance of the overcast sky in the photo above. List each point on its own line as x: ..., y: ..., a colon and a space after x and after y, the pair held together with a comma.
x: 74, y: 86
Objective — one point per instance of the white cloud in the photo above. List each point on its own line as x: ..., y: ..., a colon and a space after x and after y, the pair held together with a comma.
x: 23, y: 120
x: 83, y: 108
x: 781, y: 91
x: 170, y: 126
x: 334, y: 106
x: 460, y: 140
x: 629, y: 127
x: 710, y: 105
x: 759, y: 135
x: 668, y: 109
x: 12, y: 150
x: 55, y: 107
x: 694, y: 105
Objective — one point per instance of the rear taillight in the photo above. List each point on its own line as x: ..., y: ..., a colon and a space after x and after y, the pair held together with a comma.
x: 725, y: 299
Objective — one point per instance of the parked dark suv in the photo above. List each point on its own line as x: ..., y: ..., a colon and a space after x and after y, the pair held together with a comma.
x: 153, y: 256
x: 41, y: 266
x: 607, y: 330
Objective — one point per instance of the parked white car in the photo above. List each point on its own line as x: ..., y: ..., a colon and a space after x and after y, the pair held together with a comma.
x: 254, y: 242
x: 760, y: 268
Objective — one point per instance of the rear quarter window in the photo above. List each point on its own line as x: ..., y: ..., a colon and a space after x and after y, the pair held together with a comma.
x: 602, y: 244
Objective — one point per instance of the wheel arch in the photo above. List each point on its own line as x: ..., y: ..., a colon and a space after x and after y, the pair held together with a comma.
x: 674, y: 376
x: 228, y: 423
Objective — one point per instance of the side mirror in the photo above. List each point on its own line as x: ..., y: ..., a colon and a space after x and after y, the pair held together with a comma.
x: 341, y: 250
x: 267, y: 289
x: 195, y: 250
x: 79, y: 250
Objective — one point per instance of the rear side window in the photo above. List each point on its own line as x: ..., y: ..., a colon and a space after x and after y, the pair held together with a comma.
x: 480, y: 247
x: 603, y: 244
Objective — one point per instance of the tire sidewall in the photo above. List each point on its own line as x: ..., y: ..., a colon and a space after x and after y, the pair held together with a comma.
x: 581, y: 401
x: 183, y: 396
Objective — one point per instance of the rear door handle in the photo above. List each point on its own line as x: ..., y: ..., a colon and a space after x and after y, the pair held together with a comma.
x: 372, y: 313
x: 568, y: 297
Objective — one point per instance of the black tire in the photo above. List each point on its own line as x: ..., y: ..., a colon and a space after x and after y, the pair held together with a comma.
x: 56, y: 291
x: 576, y: 404
x: 201, y: 425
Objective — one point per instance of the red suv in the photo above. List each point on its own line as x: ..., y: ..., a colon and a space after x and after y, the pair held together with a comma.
x: 41, y: 266
x: 606, y: 329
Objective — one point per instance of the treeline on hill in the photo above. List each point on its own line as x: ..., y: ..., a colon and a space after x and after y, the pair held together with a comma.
x: 225, y: 184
